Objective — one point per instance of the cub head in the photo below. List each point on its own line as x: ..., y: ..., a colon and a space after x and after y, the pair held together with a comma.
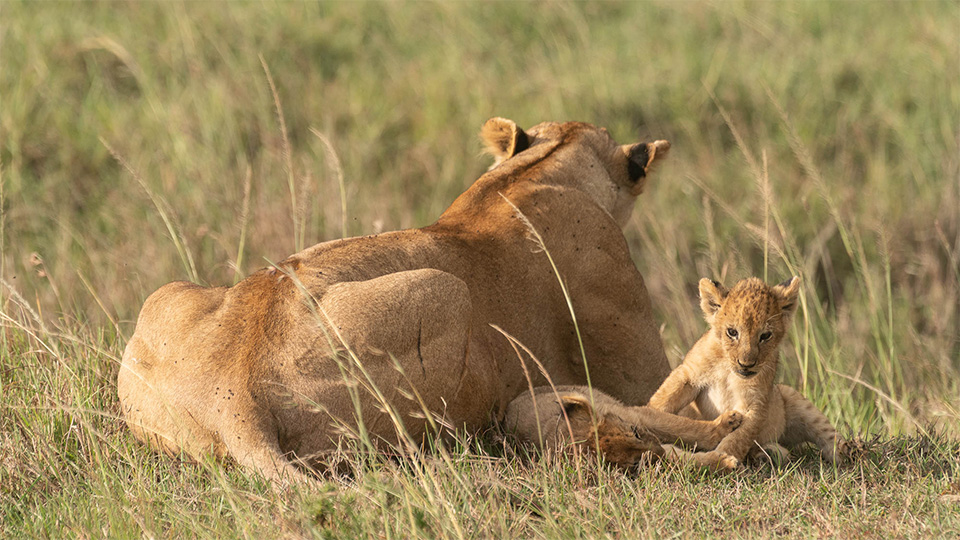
x: 749, y: 320
x: 620, y: 443
x: 579, y: 154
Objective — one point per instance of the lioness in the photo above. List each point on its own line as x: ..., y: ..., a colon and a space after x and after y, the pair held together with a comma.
x: 283, y: 363
x: 734, y: 366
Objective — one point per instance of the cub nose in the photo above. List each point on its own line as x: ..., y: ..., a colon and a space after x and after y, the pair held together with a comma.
x: 746, y: 365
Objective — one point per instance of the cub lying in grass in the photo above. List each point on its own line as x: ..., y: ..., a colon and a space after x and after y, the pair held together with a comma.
x: 625, y: 436
x: 733, y: 366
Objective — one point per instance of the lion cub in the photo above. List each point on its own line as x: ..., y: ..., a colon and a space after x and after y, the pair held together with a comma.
x: 566, y: 416
x: 733, y: 366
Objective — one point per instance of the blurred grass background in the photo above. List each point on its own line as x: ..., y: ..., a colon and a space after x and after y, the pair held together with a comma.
x: 812, y: 138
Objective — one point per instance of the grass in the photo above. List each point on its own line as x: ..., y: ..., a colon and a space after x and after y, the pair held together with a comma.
x: 146, y: 142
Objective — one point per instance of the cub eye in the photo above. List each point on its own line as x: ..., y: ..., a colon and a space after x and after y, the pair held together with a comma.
x: 765, y: 336
x: 732, y: 332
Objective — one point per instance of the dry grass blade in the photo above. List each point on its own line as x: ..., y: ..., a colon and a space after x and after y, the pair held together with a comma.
x: 836, y: 155
x: 173, y: 230
x: 244, y: 221
x: 541, y: 246
x: 119, y: 52
x: 338, y: 168
x: 886, y: 397
x: 515, y: 343
x: 738, y: 137
x: 22, y: 302
x: 298, y: 232
x: 103, y: 307
x: 3, y: 221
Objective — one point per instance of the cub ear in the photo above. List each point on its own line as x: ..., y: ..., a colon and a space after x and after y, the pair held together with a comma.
x: 641, y: 159
x: 503, y: 139
x: 712, y: 295
x: 788, y: 292
x: 575, y: 406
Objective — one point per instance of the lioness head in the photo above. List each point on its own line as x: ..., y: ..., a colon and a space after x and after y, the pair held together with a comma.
x: 613, y: 174
x: 749, y: 320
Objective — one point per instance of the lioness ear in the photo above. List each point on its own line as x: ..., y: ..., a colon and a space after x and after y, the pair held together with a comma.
x: 641, y: 159
x: 503, y: 139
x: 712, y: 294
x: 788, y: 292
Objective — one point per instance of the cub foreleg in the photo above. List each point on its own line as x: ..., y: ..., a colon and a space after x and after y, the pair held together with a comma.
x: 675, y: 393
x: 670, y: 428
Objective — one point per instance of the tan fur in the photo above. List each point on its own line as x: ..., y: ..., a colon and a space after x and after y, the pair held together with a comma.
x: 277, y: 367
x: 733, y: 367
x: 552, y: 419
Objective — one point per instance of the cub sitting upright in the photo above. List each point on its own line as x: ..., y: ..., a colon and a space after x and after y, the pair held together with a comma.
x: 733, y: 366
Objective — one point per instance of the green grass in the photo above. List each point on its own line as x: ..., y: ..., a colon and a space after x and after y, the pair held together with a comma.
x: 810, y: 138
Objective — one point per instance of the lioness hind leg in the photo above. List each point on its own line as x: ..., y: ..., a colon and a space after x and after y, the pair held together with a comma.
x: 154, y: 414
x: 410, y: 331
x: 805, y: 423
x: 252, y: 442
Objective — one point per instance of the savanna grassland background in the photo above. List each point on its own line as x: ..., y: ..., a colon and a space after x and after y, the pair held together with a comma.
x: 140, y: 143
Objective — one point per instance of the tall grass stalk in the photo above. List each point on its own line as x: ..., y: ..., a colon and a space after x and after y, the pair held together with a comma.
x: 103, y: 307
x: 409, y: 449
x: 517, y: 346
x: 852, y: 241
x: 541, y: 246
x: 338, y: 169
x: 244, y: 221
x: 163, y: 210
x: 298, y: 231
x: 3, y: 221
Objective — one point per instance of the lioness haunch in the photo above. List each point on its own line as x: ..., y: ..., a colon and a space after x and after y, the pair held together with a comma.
x: 277, y: 368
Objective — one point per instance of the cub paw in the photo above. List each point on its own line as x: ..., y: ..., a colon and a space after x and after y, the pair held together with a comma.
x: 728, y: 463
x: 723, y: 425
x: 717, y: 461
x: 772, y: 453
x: 729, y: 421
